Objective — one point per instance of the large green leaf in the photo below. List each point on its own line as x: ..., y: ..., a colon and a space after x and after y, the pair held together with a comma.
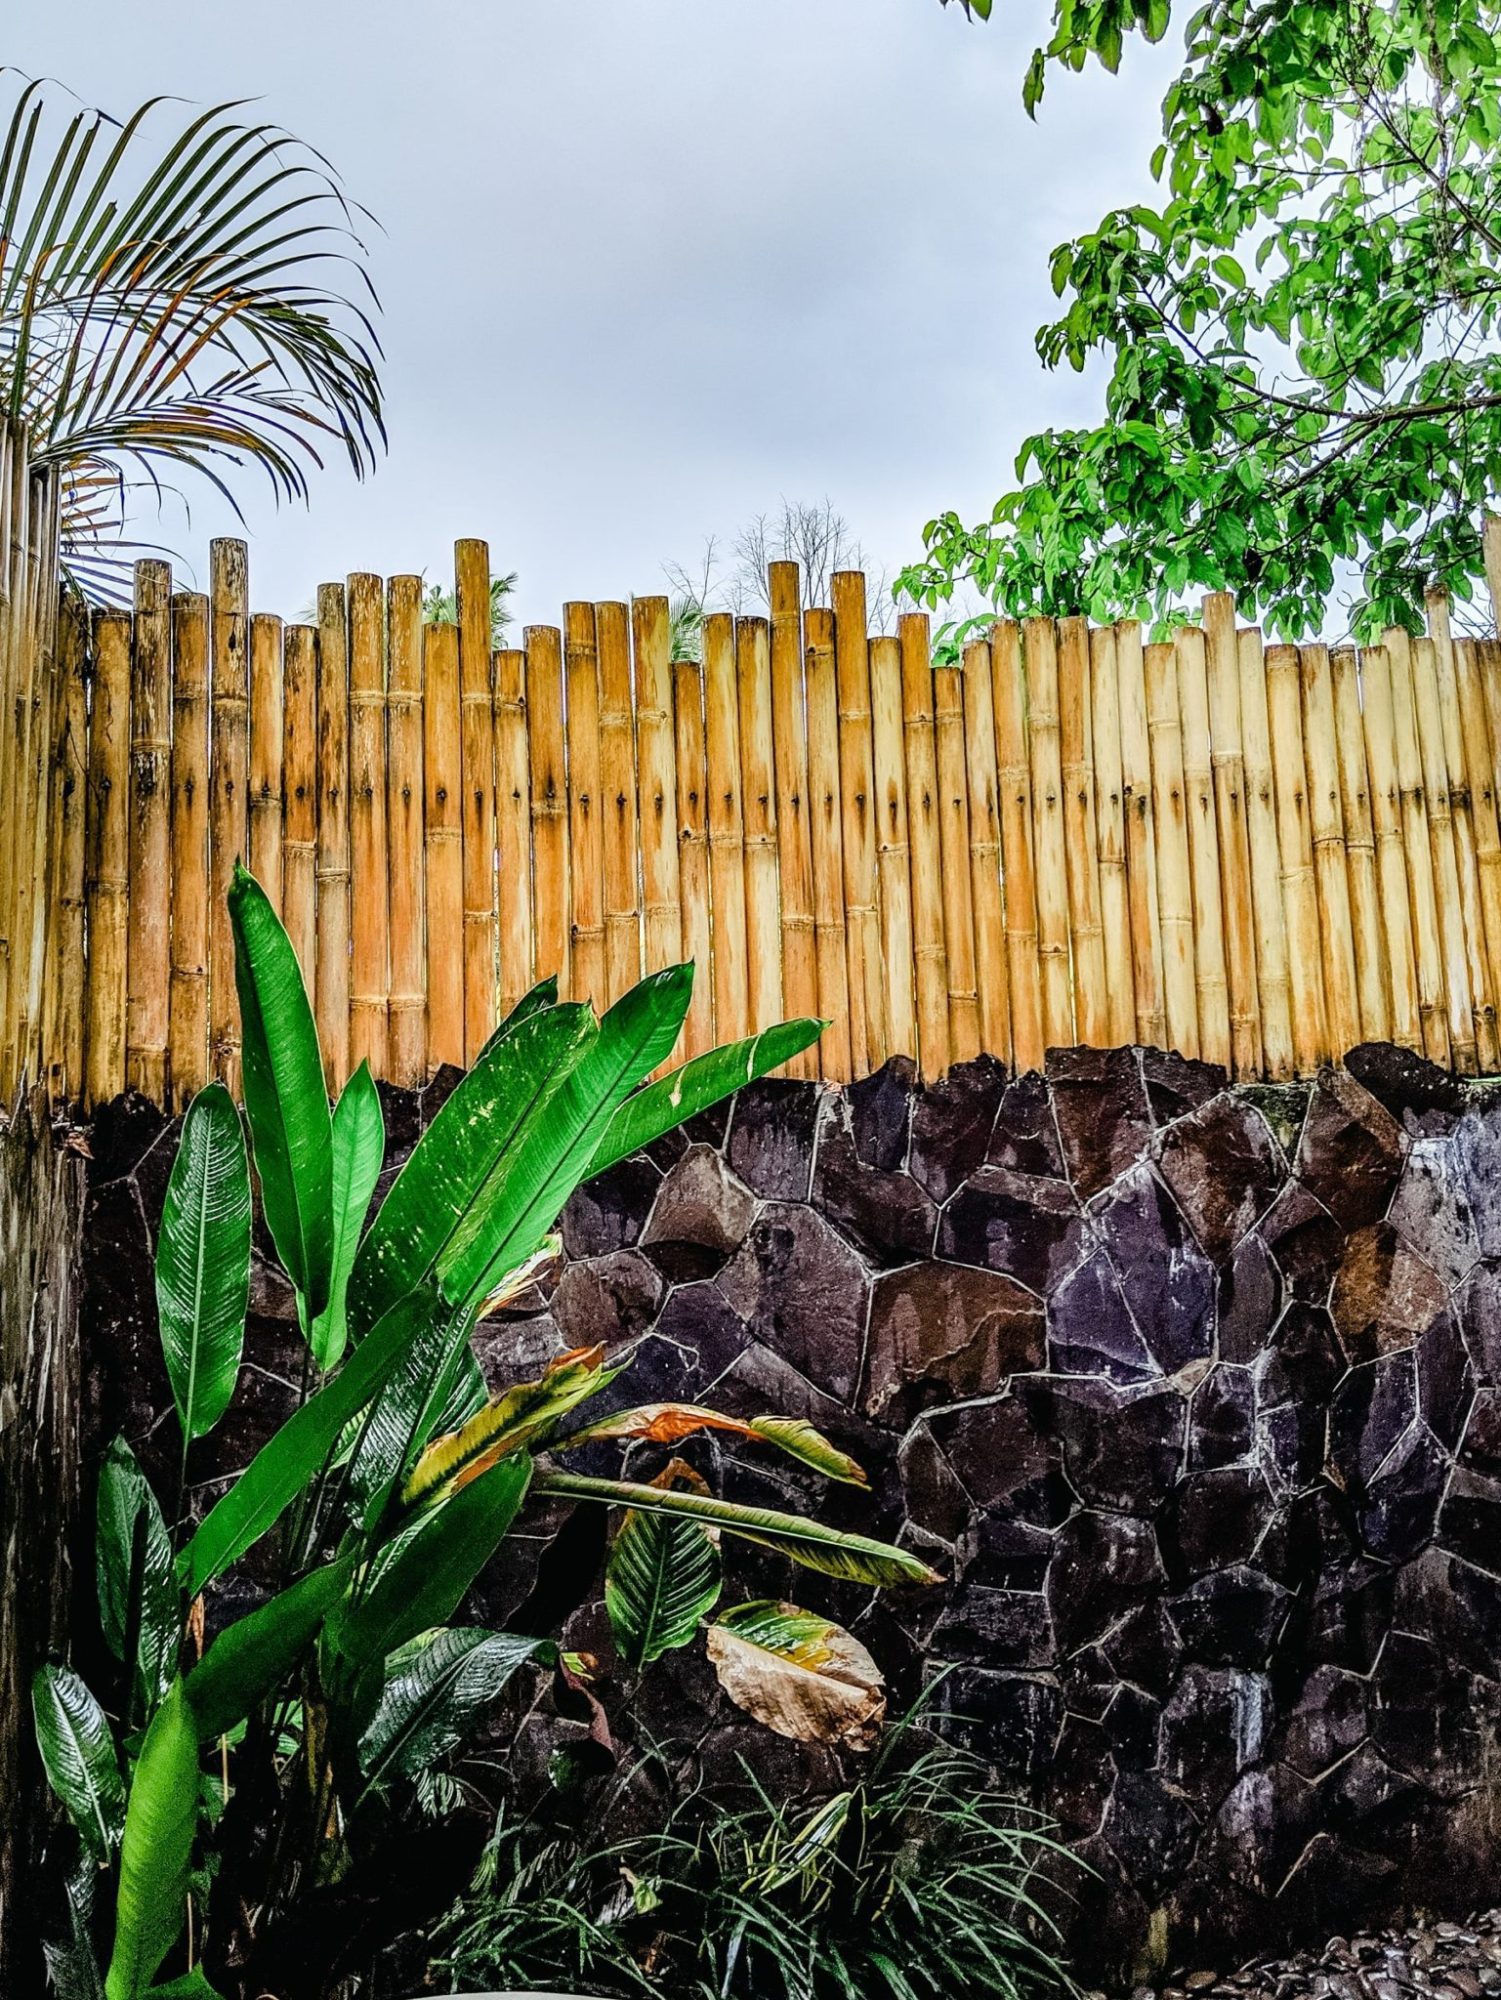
x: 664, y: 1105
x: 661, y: 1581
x: 540, y: 997
x: 254, y: 1655
x: 78, y: 1755
x: 288, y: 1461
x: 156, y: 1849
x: 435, y: 1686
x: 203, y: 1261
x: 359, y: 1141
x: 138, y: 1598
x: 834, y: 1551
x: 286, y: 1100
x: 419, y: 1578
x: 437, y: 1387
x: 193, y: 1985
x: 72, y: 1964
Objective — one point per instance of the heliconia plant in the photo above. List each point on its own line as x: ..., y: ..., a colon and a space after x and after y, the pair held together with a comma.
x: 393, y: 1482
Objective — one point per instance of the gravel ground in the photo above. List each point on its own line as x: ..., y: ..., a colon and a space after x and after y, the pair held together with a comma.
x: 1448, y: 1961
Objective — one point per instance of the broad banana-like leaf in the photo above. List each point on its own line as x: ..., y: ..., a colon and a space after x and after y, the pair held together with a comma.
x: 72, y: 1967
x: 286, y: 1463
x: 192, y: 1986
x: 662, y: 1579
x: 798, y: 1673
x: 133, y: 1573
x: 834, y: 1551
x: 359, y: 1143
x: 78, y: 1755
x: 435, y: 1686
x: 203, y: 1261
x: 801, y: 1441
x: 418, y: 1579
x: 664, y: 1105
x: 542, y: 996
x: 286, y: 1099
x: 517, y: 1418
x: 156, y: 1849
x: 669, y: 1423
x: 252, y: 1657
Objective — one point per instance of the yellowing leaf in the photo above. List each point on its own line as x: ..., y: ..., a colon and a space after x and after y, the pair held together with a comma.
x: 801, y: 1441
x: 798, y: 1673
x: 511, y: 1421
x: 658, y: 1423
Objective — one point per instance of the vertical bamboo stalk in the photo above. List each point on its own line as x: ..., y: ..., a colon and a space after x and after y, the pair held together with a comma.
x: 1110, y: 822
x: 1141, y: 845
x: 15, y: 694
x: 617, y: 777
x: 404, y: 826
x: 1081, y: 835
x: 443, y: 777
x: 656, y: 752
x: 1272, y: 977
x: 1014, y: 781
x: 299, y: 846
x: 726, y: 829
x: 1475, y: 729
x: 1428, y: 946
x: 1222, y: 658
x: 1373, y: 977
x: 759, y: 800
x: 585, y: 833
x: 930, y: 956
x: 857, y: 791
x: 1203, y: 848
x: 982, y: 783
x: 229, y: 789
x: 551, y: 897
x: 893, y: 858
x: 331, y: 982
x: 826, y: 823
x: 693, y: 852
x: 369, y: 861
x: 188, y: 1025
x: 149, y: 944
x: 107, y: 858
x: 1407, y: 1026
x: 513, y: 826
x: 1310, y: 1029
x: 266, y: 728
x: 965, y: 1039
x: 1330, y: 856
x: 64, y: 1027
x: 1049, y: 839
x: 1175, y: 912
x: 471, y: 566
x: 794, y: 849
x: 1471, y: 1031
x: 1470, y: 914
x: 41, y: 642
x: 1491, y: 544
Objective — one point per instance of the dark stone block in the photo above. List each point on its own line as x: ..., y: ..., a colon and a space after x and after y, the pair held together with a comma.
x: 1250, y: 1300
x: 884, y: 1213
x: 1214, y: 1520
x: 1291, y: 1441
x: 1214, y: 1726
x: 1222, y: 1419
x: 1477, y: 1307
x: 1006, y: 1555
x: 802, y: 1290
x: 1224, y: 1168
x: 943, y: 1330
x: 699, y: 1218
x: 994, y: 1628
x: 1369, y: 1799
x: 1325, y: 1722
x: 1475, y: 1153
x: 1303, y: 1362
x: 1469, y: 1521
x: 771, y: 1136
x: 935, y: 1500
x: 121, y: 1133
x: 1446, y: 1382
x: 1262, y: 1827
x: 1305, y: 1241
x: 609, y: 1212
x: 1131, y: 1725
x: 1351, y: 1151
x: 1104, y: 1565
x: 1166, y: 1279
x: 1082, y: 1776
x: 1008, y: 1464
x: 1230, y: 1618
x: 1480, y: 1448
x: 1122, y: 1450
x: 880, y: 1108
x: 1028, y: 1227
x: 1431, y: 1211
x: 697, y: 1336
x: 609, y: 1299
x: 1415, y: 1091
x: 1104, y: 1120
x: 1152, y: 1827
x: 1350, y: 1614
x: 1144, y: 1648
x: 1371, y: 1408
x: 1025, y: 1139
x: 1402, y: 1499
x: 1426, y: 1716
x: 1178, y: 1084
x: 1011, y: 1719
x: 1090, y: 1327
x: 952, y: 1121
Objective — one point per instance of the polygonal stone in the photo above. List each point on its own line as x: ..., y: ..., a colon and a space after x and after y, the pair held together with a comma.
x: 1081, y: 1777
x: 1025, y: 1138
x: 1446, y: 1381
x: 1230, y: 1618
x: 1431, y: 1213
x: 1166, y: 1279
x: 1351, y: 1151
x: 1426, y: 1719
x: 995, y: 1628
x: 1122, y: 1449
x: 1351, y: 1613
x: 1302, y: 1362
x: 1214, y: 1726
x: 1250, y: 1300
x: 1475, y: 1150
x: 696, y: 1337
x: 700, y: 1216
x: 1222, y: 1419
x: 608, y: 1212
x: 1418, y: 1094
x: 884, y: 1213
x: 952, y: 1121
x: 799, y: 1287
x: 1325, y: 1722
x: 1401, y: 1501
x: 609, y: 1299
x: 1010, y: 1719
x: 121, y: 1133
x: 1214, y: 1519
x: 935, y: 1500
x: 1021, y: 1224
x: 1477, y: 1307
x: 880, y: 1108
x: 1008, y: 1466
x: 1104, y: 1121
x: 945, y: 1330
x: 1008, y: 1555
x: 1154, y: 1825
x: 1090, y: 1328
x: 1224, y: 1167
x: 1131, y: 1722
x: 1103, y: 1566
x: 1305, y: 1241
x: 1469, y: 1521
x: 1480, y: 1448
x: 1144, y: 1648
x: 771, y: 1136
x: 1262, y: 1827
x: 1372, y: 1407
x: 1178, y: 1084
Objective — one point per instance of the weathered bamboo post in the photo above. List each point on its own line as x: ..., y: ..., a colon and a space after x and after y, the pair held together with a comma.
x: 299, y: 844
x: 930, y: 955
x: 1141, y: 845
x: 1407, y: 1025
x: 617, y: 779
x: 1110, y: 824
x: 826, y: 823
x: 1272, y: 977
x: 331, y: 977
x: 982, y: 783
x: 1049, y: 837
x: 585, y: 829
x: 267, y: 726
x: 759, y: 805
x: 471, y: 569
x: 789, y: 730
x: 1475, y: 729
x: 551, y: 898
x: 148, y: 950
x: 369, y: 861
x: 1014, y: 783
x: 857, y: 786
x: 1373, y: 975
x: 107, y: 858
x: 1222, y: 658
x: 965, y: 1040
x: 1310, y: 1029
x: 1471, y: 916
x: 64, y: 1025
x: 1471, y: 1036
x: 1428, y: 947
x: 726, y: 829
x: 188, y: 1027
x: 229, y: 790
x: 1330, y: 855
x: 1081, y: 834
x: 656, y: 751
x: 1491, y: 546
x: 513, y: 826
x: 693, y: 851
x: 443, y: 775
x: 42, y: 621
x: 1175, y: 913
x: 404, y: 816
x: 1203, y: 848
x: 892, y: 846
x: 15, y: 695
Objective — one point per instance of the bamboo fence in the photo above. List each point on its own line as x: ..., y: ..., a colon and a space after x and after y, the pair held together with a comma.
x: 1255, y: 855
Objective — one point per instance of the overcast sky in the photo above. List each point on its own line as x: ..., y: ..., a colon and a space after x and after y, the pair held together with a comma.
x: 648, y: 266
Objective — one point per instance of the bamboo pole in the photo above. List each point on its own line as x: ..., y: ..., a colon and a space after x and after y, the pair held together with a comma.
x: 1211, y: 980
x: 1491, y: 545
x: 835, y: 1051
x: 585, y: 831
x: 726, y: 830
x: 693, y: 852
x: 930, y: 956
x: 1175, y: 911
x: 982, y: 784
x: 148, y: 954
x: 1141, y: 844
x: 965, y: 1036
x: 1049, y: 838
x: 404, y: 831
x: 551, y: 897
x: 1428, y: 946
x: 794, y: 842
x: 513, y: 826
x: 267, y: 725
x: 1110, y: 825
x: 64, y: 1026
x: 1459, y: 776
x: 1407, y: 1020
x: 759, y: 802
x: 299, y: 844
x: 656, y: 751
x: 1330, y: 855
x: 1373, y: 975
x: 1014, y: 783
x: 857, y: 793
x: 1470, y: 1018
x: 442, y: 768
x: 229, y: 789
x: 1082, y: 835
x: 41, y: 642
x: 471, y: 568
x: 893, y: 858
x: 1222, y: 659
x: 188, y: 1025
x: 107, y: 858
x: 1273, y: 980
x: 369, y: 862
x: 1475, y: 729
x: 331, y: 980
x: 1310, y: 1030
x: 617, y: 773
x: 15, y: 696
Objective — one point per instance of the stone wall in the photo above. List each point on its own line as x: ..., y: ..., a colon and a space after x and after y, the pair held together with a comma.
x: 1193, y: 1393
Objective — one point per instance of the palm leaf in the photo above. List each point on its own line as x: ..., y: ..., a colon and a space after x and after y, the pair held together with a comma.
x: 203, y: 1261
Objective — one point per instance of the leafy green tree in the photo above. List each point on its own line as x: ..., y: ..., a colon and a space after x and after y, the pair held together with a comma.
x: 1301, y: 332
x: 441, y: 607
